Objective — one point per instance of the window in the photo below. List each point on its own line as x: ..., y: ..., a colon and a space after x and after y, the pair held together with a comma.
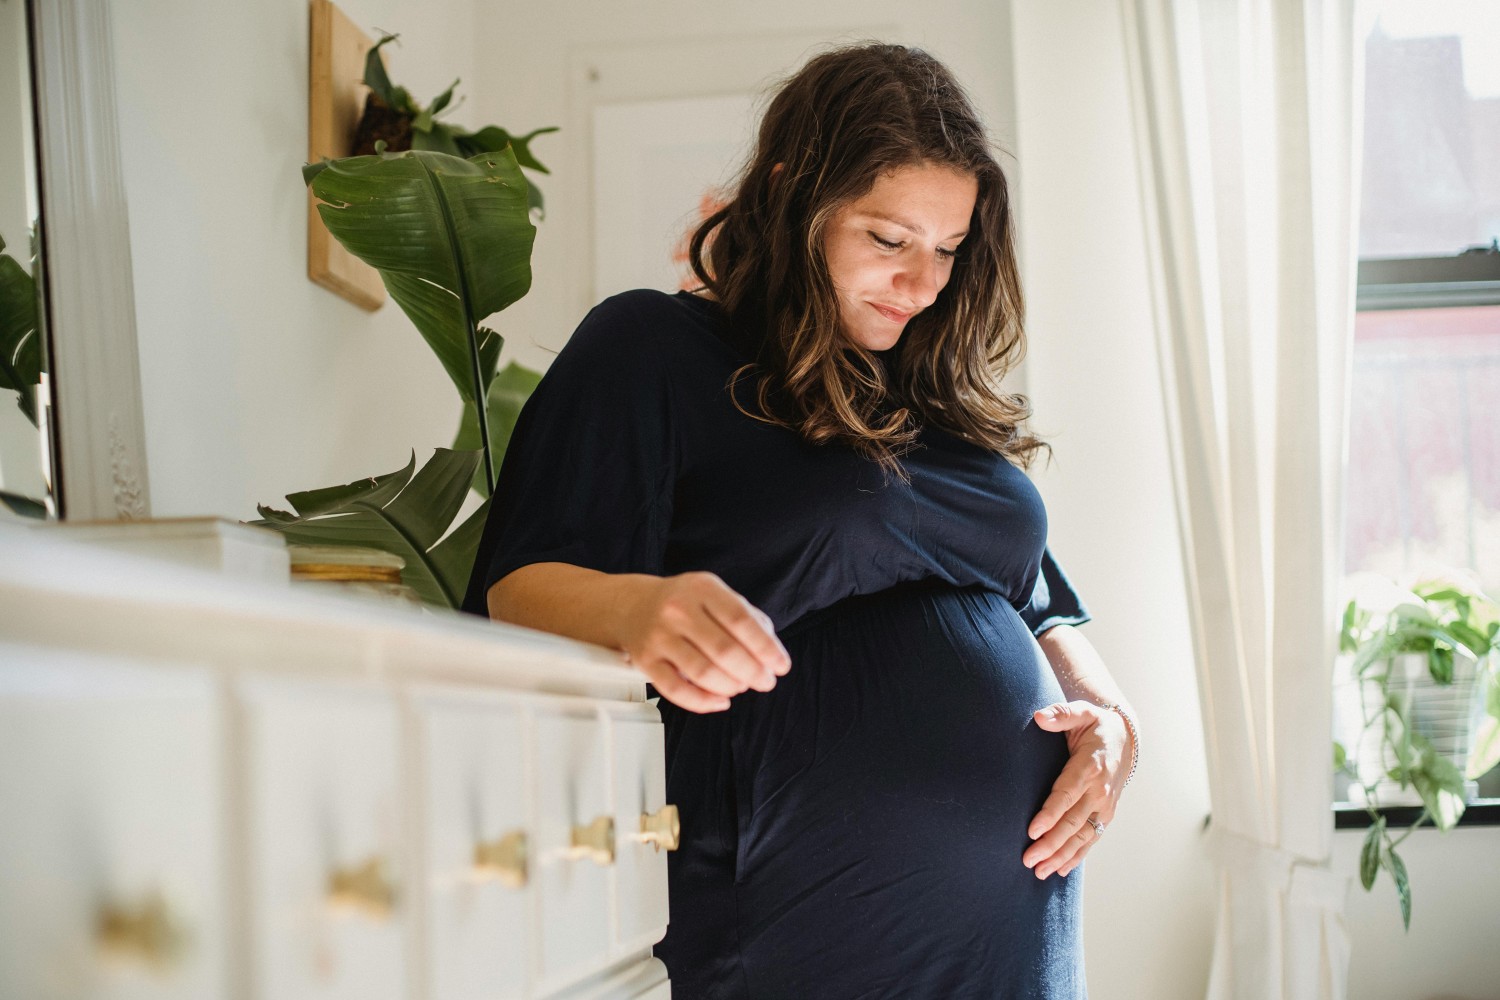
x: 1423, y: 487
x: 1423, y: 479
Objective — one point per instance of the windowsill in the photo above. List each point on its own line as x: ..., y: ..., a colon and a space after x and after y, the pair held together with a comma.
x: 1480, y: 812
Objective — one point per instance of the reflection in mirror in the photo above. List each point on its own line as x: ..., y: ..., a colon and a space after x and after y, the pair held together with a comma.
x: 25, y: 465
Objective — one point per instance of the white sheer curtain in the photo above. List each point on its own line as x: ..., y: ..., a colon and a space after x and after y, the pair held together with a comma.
x: 1248, y: 124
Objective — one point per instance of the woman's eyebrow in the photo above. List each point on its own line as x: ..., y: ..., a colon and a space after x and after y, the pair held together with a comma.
x: 909, y: 226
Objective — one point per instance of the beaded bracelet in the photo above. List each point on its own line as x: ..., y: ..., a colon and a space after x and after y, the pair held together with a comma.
x: 1135, y: 740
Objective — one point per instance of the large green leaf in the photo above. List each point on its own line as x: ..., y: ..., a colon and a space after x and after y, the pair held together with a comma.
x: 450, y: 237
x: 375, y: 490
x: 494, y: 137
x: 408, y: 520
x: 508, y: 393
x: 453, y: 558
x: 20, y: 341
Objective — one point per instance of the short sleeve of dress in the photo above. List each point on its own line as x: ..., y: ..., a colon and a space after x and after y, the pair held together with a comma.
x: 587, y: 476
x: 1053, y: 599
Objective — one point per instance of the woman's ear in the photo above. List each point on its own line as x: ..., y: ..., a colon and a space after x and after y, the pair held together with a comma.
x: 776, y: 170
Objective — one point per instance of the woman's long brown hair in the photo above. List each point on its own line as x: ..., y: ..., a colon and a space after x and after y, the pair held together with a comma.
x: 836, y: 125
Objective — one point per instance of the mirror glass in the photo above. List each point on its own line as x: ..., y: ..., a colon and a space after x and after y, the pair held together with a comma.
x: 25, y: 449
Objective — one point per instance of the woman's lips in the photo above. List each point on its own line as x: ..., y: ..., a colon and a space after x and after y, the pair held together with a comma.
x: 894, y: 315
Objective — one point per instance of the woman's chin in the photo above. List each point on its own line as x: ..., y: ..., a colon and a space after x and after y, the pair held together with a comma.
x: 874, y: 340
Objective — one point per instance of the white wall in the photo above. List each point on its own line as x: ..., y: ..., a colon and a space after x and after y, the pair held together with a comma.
x: 1091, y: 372
x: 256, y: 381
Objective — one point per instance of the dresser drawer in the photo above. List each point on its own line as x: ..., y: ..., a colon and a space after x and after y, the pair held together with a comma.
x: 111, y: 829
x: 477, y: 843
x: 645, y: 825
x: 325, y: 876
x: 575, y: 849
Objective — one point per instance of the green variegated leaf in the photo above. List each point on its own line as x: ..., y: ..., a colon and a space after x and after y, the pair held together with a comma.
x: 1397, y: 869
x: 1441, y: 786
x: 1440, y: 664
x: 1369, y: 853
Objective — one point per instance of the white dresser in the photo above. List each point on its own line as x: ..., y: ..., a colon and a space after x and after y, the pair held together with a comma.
x: 217, y: 788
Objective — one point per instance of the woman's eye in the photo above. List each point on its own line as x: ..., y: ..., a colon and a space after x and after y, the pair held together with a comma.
x: 946, y: 254
x: 887, y: 244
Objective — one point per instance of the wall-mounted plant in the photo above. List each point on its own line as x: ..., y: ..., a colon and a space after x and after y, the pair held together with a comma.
x: 393, y: 117
x: 1420, y: 665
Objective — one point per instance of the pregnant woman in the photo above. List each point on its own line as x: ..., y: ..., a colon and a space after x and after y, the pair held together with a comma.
x: 794, y: 499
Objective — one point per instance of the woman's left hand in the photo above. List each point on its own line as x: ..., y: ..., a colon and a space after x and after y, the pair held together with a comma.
x: 1089, y: 785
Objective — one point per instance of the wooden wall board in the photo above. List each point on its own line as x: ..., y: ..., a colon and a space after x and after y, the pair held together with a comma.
x: 336, y: 99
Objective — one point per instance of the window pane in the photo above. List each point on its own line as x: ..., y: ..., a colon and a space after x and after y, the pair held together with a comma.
x: 1423, y: 488
x: 1432, y: 129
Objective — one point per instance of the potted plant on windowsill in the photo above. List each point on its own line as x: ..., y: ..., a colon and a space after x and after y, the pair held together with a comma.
x: 1418, y: 707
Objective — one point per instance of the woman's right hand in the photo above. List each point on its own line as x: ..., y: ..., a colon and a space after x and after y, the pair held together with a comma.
x: 699, y: 643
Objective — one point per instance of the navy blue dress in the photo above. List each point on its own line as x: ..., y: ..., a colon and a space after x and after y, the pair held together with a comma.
x: 857, y: 831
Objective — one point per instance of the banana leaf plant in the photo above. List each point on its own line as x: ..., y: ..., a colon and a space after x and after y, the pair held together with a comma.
x: 452, y: 239
x: 393, y: 117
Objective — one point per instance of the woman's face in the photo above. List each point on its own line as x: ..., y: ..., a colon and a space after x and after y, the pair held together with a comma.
x: 890, y: 252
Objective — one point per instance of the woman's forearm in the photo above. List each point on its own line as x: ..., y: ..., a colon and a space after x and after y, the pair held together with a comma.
x: 1080, y: 670
x: 569, y: 600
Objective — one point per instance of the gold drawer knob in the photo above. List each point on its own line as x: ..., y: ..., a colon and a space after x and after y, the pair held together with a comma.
x: 595, y: 841
x: 662, y: 828
x: 147, y: 933
x: 503, y: 859
x: 365, y: 888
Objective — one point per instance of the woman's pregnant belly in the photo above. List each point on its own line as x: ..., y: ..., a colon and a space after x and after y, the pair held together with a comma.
x: 883, y: 790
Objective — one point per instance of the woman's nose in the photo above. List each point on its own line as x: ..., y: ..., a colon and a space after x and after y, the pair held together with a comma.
x: 920, y: 282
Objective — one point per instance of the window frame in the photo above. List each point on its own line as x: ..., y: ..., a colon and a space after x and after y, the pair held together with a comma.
x: 1469, y: 278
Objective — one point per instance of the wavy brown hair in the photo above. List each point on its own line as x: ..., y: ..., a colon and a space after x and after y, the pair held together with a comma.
x: 836, y: 125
